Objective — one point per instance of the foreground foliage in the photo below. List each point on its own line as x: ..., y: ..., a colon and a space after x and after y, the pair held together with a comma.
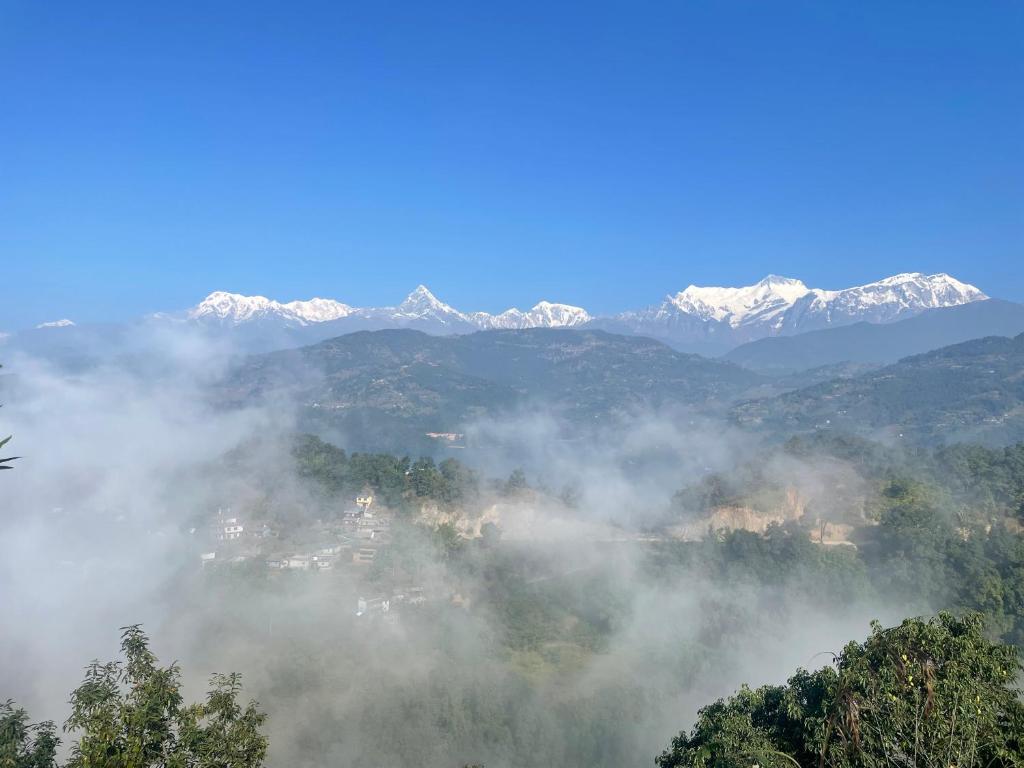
x: 131, y: 714
x: 925, y: 693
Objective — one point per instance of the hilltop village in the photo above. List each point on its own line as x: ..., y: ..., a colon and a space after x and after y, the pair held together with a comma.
x: 351, y: 544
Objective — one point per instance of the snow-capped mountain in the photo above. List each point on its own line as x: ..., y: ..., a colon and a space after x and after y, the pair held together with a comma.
x: 757, y: 303
x: 698, y: 318
x: 702, y: 319
x: 234, y: 309
x: 715, y: 318
x: 544, y: 314
x: 421, y: 304
x: 708, y: 320
x: 893, y: 298
x: 419, y: 309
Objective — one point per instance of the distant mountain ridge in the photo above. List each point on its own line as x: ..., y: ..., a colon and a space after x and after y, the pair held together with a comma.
x: 393, y: 387
x: 694, y: 319
x: 973, y: 391
x: 419, y: 306
x: 865, y: 342
x: 714, y: 320
x: 708, y: 320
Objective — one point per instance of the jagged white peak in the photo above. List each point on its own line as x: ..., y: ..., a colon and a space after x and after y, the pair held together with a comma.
x: 419, y: 306
x: 899, y: 294
x: 233, y: 308
x: 422, y: 304
x: 544, y: 314
x: 782, y: 303
x: 738, y: 306
x: 774, y: 305
x: 65, y: 323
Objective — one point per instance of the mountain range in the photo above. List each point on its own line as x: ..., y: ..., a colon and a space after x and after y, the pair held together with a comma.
x: 709, y: 320
x: 420, y: 307
x: 706, y: 320
x: 714, y: 320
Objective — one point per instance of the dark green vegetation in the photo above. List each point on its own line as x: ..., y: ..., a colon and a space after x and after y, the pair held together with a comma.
x: 5, y: 463
x: 924, y: 693
x: 579, y: 654
x: 400, y: 482
x: 531, y: 654
x: 24, y: 744
x: 935, y: 529
x: 131, y: 714
x: 386, y: 389
x: 881, y: 344
x: 967, y: 392
x: 971, y: 483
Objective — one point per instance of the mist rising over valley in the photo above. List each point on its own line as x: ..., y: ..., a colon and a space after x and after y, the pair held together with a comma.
x: 511, y: 385
x: 582, y: 547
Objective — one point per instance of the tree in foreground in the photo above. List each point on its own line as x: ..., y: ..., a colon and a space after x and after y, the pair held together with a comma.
x: 23, y: 745
x: 924, y: 694
x: 130, y: 714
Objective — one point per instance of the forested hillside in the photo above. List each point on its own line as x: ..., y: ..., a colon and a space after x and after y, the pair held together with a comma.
x: 387, y: 389
x: 970, y: 392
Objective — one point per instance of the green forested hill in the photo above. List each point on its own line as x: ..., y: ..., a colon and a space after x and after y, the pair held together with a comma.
x: 393, y: 386
x: 969, y: 391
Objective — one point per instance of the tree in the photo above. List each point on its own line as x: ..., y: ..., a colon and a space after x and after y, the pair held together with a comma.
x: 516, y: 483
x: 23, y: 745
x: 5, y: 463
x: 925, y: 694
x: 130, y: 715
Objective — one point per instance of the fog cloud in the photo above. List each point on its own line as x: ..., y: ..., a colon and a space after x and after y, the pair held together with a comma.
x: 123, y: 461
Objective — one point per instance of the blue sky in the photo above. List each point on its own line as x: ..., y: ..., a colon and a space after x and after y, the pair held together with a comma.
x: 601, y: 154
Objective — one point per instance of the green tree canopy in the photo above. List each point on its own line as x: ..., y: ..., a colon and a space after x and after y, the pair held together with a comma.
x: 23, y: 745
x: 925, y: 694
x: 130, y: 714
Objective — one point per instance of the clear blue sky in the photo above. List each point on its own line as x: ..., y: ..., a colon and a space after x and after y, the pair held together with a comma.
x: 601, y: 154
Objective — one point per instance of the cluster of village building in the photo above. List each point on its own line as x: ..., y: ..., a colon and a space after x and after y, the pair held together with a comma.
x: 354, y: 539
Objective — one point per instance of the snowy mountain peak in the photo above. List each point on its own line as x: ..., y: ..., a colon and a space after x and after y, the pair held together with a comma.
x: 704, y: 317
x: 782, y: 282
x: 552, y: 315
x: 234, y: 309
x: 544, y: 314
x: 422, y: 302
x: 318, y: 310
x: 230, y: 306
x: 722, y: 317
x: 919, y: 279
x: 738, y: 306
x: 897, y: 295
x: 421, y: 306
